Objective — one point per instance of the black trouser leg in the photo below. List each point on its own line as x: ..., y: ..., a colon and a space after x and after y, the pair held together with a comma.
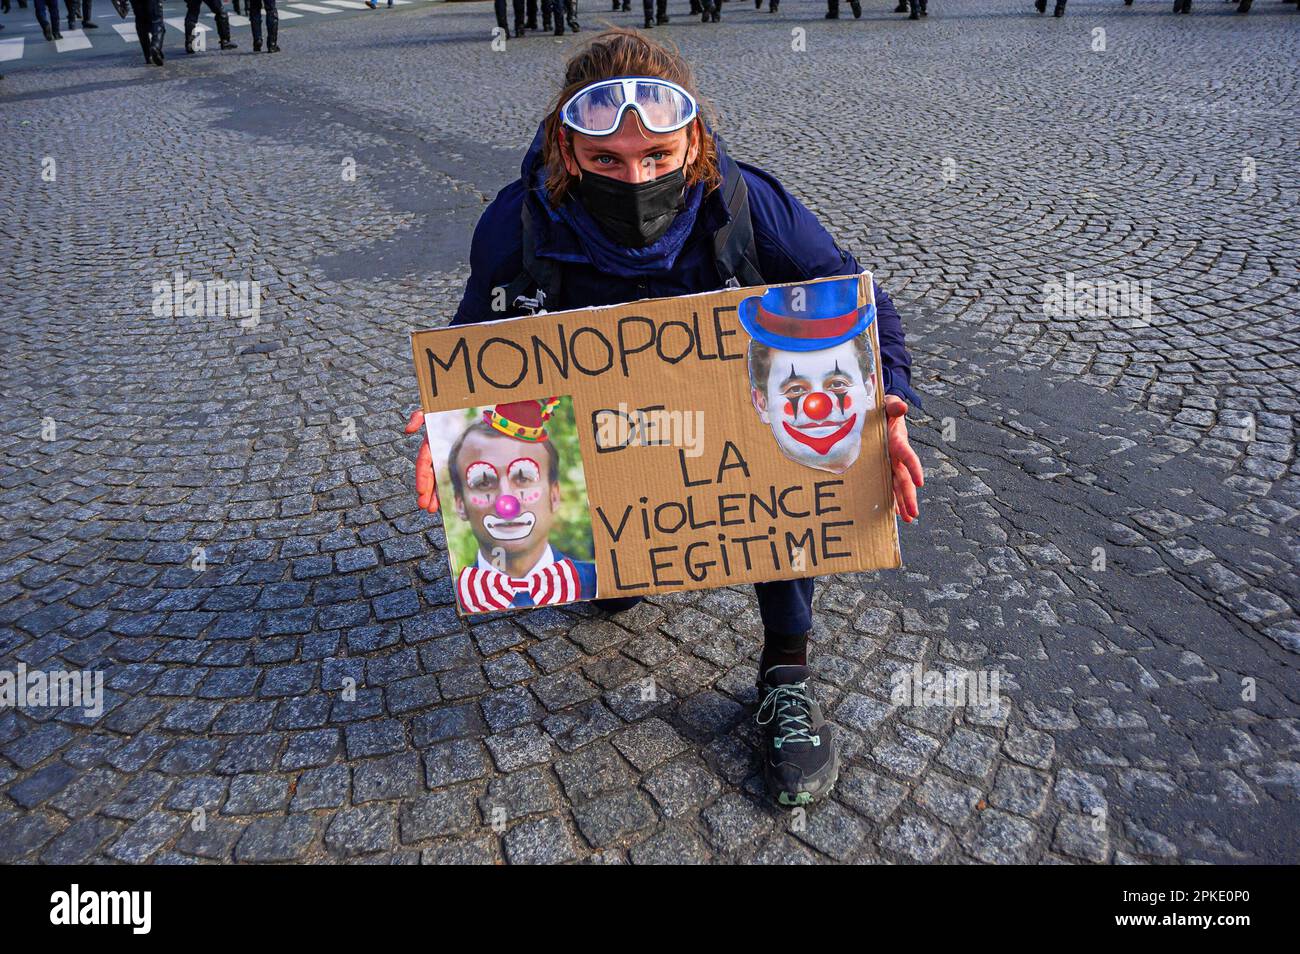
x: 786, y: 606
x: 47, y: 13
x: 141, y: 10
x: 255, y: 21
x: 222, y: 18
x: 158, y: 28
x: 521, y: 14
x: 191, y: 20
x: 786, y: 609
x: 499, y: 7
x: 272, y: 22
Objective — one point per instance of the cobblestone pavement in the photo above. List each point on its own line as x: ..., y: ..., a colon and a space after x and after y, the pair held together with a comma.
x: 1109, y: 520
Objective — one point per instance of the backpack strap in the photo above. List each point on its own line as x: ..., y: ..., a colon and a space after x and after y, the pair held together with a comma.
x: 734, y: 250
x: 540, y: 278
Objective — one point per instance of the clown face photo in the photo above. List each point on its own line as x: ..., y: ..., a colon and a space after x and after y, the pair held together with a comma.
x: 812, y: 370
x: 815, y: 401
x: 515, y: 507
x: 508, y: 494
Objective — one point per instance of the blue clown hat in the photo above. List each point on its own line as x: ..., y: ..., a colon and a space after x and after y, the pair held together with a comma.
x: 830, y: 315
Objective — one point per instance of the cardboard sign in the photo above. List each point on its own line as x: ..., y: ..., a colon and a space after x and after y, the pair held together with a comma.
x: 667, y: 444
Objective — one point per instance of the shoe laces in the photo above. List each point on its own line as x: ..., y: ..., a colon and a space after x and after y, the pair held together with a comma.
x: 791, y: 707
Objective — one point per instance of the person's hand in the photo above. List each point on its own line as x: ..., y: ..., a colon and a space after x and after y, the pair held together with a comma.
x: 906, y: 465
x: 426, y: 488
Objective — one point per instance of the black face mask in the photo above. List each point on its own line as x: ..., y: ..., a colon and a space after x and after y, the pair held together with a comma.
x: 633, y: 214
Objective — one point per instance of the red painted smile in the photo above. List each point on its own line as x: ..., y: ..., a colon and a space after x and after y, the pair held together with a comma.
x: 821, y: 445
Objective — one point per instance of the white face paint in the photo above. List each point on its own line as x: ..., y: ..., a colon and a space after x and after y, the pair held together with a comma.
x: 516, y: 528
x: 816, y: 403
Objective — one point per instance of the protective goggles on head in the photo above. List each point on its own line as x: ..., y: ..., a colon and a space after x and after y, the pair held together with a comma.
x: 596, y: 110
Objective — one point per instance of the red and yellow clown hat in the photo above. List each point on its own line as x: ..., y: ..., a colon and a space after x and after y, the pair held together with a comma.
x: 523, y: 420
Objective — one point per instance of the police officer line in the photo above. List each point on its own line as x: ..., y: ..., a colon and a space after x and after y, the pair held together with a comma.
x: 13, y: 47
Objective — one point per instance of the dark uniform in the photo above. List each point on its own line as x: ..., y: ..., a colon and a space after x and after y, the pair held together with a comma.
x: 222, y: 18
x: 532, y: 15
x: 564, y: 11
x: 1059, y: 10
x: 833, y: 9
x: 652, y: 15
x: 623, y: 5
x: 84, y: 15
x: 255, y: 9
x: 500, y: 6
x: 149, y: 28
x: 47, y: 15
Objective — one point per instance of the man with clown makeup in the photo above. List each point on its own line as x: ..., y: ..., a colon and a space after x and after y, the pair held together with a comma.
x: 505, y: 478
x: 811, y: 370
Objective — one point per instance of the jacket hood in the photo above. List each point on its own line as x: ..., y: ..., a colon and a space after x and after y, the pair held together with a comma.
x: 569, y: 233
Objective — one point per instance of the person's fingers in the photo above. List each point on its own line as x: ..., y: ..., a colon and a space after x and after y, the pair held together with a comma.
x: 900, y: 447
x: 907, y: 457
x: 416, y: 422
x: 905, y: 494
x: 426, y: 490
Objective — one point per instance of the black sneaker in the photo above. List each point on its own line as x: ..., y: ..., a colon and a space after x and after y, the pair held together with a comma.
x: 799, y: 760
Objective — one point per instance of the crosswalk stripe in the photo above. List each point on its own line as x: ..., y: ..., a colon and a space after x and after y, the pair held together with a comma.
x: 12, y: 48
x: 72, y: 40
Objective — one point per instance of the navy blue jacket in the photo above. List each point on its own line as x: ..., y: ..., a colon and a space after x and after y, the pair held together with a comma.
x: 792, y: 246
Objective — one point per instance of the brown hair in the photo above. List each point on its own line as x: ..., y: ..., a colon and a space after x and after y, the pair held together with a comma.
x: 620, y: 52
x: 760, y: 361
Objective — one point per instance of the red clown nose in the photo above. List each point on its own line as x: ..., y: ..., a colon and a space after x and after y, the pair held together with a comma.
x: 817, y: 406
